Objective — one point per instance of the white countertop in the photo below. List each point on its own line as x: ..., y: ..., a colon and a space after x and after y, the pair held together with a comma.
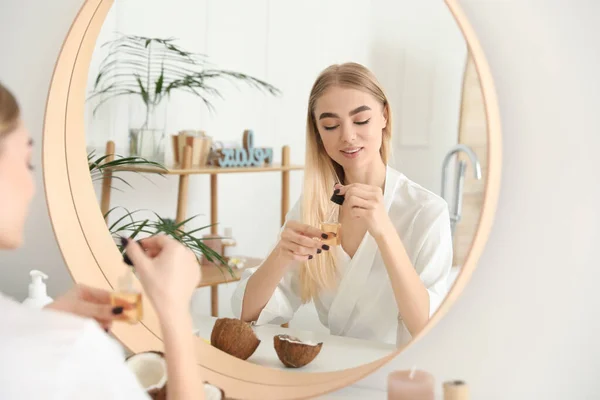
x: 355, y: 393
x: 336, y: 353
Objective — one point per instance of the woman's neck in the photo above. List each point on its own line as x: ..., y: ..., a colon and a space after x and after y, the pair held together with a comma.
x: 374, y: 174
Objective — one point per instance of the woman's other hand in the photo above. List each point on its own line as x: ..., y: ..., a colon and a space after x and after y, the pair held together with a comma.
x: 300, y: 242
x: 365, y: 202
x: 168, y: 271
x: 89, y: 302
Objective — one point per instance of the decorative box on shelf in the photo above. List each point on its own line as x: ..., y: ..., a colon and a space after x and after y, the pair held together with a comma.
x: 198, y: 141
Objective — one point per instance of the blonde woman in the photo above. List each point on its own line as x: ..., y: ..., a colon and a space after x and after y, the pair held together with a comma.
x: 63, y: 351
x: 388, y: 275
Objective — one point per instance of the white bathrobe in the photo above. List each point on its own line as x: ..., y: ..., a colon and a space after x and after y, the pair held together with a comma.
x: 363, y: 305
x: 52, y: 355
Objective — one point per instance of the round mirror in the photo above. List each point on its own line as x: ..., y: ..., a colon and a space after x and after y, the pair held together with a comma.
x: 226, y: 126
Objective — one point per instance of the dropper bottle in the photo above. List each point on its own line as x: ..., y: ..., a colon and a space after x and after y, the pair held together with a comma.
x: 331, y: 225
x: 127, y: 294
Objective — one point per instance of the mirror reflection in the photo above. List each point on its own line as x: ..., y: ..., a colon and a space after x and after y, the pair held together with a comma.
x: 325, y: 161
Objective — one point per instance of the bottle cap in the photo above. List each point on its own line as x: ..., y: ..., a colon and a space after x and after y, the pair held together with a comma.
x: 338, y: 199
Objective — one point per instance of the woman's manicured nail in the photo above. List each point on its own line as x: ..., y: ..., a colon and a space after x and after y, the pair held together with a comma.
x: 124, y: 241
x: 324, y: 235
x: 325, y: 247
x: 310, y: 257
x: 319, y: 251
x: 117, y: 310
x: 127, y: 260
x: 336, y: 191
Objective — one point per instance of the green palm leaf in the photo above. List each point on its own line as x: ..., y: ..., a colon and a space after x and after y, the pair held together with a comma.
x: 166, y: 67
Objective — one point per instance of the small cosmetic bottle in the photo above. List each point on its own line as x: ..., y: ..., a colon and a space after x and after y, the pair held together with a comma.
x: 125, y: 294
x: 331, y: 226
x: 334, y: 230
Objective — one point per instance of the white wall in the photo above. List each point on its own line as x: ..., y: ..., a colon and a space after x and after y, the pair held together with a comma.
x: 525, y: 327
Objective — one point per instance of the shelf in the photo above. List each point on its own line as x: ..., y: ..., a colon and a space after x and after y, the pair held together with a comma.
x: 208, y: 170
x: 216, y: 275
x: 212, y: 276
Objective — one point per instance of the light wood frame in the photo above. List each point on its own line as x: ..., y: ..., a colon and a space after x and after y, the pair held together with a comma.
x: 92, y: 257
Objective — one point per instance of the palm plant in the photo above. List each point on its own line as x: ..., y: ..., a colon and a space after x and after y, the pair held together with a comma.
x: 153, y: 68
x: 127, y: 225
x: 131, y: 227
x: 98, y: 166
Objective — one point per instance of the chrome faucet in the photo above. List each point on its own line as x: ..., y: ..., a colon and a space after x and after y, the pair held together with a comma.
x: 456, y: 213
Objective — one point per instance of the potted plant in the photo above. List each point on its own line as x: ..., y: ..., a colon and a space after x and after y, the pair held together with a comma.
x: 151, y: 69
x: 129, y: 225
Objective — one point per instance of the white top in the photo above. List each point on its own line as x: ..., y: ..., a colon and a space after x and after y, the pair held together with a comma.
x: 57, y: 356
x: 364, y: 306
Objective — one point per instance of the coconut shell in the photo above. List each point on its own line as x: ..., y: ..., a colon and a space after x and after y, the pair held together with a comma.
x: 158, y: 394
x: 234, y: 337
x: 295, y: 354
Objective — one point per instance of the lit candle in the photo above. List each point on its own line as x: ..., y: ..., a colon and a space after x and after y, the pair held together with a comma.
x: 411, y: 385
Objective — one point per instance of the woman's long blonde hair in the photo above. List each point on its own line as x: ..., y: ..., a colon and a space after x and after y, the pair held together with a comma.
x: 9, y: 111
x: 321, y: 172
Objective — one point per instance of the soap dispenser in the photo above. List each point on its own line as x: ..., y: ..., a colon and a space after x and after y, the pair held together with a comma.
x: 37, y: 291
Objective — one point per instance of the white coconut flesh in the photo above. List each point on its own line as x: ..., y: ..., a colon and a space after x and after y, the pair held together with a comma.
x: 295, y: 340
x: 212, y: 392
x: 150, y: 370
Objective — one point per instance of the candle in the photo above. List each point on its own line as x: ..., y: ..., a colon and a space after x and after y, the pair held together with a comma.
x: 456, y: 390
x: 411, y: 385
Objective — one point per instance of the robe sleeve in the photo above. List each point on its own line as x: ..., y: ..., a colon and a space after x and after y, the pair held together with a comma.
x: 433, y: 261
x: 285, y: 300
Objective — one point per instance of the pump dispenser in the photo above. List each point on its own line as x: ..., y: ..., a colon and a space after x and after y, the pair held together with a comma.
x: 38, y: 297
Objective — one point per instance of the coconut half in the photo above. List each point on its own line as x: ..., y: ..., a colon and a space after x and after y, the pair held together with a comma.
x: 293, y: 352
x: 150, y: 369
x: 234, y: 337
x: 211, y: 392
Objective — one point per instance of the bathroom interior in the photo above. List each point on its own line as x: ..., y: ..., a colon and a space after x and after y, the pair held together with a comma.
x: 538, y: 77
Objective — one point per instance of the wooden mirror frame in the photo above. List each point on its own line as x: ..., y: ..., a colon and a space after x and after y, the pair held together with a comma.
x: 93, y: 259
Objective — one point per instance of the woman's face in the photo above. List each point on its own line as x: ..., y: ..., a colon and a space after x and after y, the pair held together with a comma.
x: 16, y: 185
x: 350, y: 123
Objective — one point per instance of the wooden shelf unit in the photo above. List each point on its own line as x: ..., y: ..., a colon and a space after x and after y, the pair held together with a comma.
x: 211, y: 275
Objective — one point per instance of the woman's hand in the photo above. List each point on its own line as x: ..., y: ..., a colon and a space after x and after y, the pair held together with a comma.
x: 168, y: 271
x: 365, y: 202
x: 300, y: 242
x: 89, y: 302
